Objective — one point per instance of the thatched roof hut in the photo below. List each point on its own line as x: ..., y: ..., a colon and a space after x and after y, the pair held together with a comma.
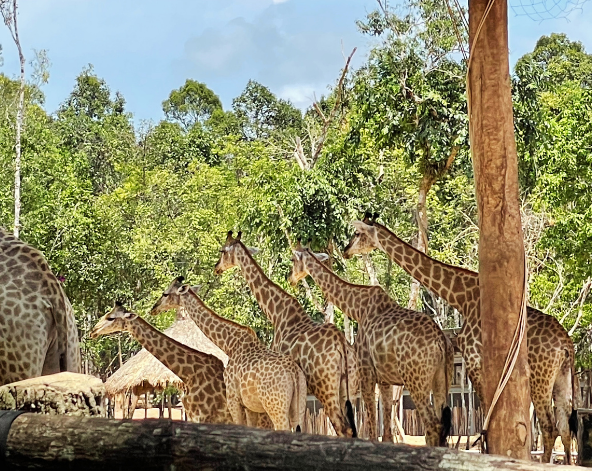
x: 143, y: 372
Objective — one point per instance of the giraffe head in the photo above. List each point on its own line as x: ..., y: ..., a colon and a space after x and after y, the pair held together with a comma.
x: 115, y: 321
x: 301, y: 254
x: 228, y: 258
x: 365, y: 239
x: 171, y: 298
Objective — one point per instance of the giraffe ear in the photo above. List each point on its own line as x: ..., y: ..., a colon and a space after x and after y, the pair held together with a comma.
x: 322, y: 257
x: 183, y: 289
x: 253, y: 250
x: 195, y: 288
x: 360, y: 225
x: 130, y: 316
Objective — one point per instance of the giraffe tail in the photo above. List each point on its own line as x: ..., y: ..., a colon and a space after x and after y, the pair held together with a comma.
x: 297, y: 412
x: 446, y: 422
x: 349, y: 410
x: 446, y: 419
x: 575, y: 389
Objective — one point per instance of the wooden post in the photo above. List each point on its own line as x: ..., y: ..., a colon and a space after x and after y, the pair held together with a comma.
x: 52, y: 442
x: 501, y: 247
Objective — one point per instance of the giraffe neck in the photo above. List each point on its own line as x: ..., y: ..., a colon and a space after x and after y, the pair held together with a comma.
x: 227, y: 335
x: 450, y: 283
x: 172, y: 354
x: 283, y: 310
x: 353, y: 300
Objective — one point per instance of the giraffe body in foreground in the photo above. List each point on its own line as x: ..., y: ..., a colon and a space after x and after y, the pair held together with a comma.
x: 399, y: 346
x: 328, y: 361
x: 38, y: 334
x: 550, y: 350
x: 258, y: 380
x: 203, y: 374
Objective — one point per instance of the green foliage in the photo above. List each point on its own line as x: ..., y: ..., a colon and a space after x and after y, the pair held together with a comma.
x: 192, y: 103
x: 261, y: 115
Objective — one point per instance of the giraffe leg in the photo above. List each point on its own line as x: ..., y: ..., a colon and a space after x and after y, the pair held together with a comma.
x: 368, y: 383
x: 298, y: 404
x: 386, y: 393
x: 236, y: 409
x: 421, y: 398
x: 541, y: 394
x: 471, y: 352
x: 336, y: 414
x: 279, y: 413
x: 264, y: 421
x: 252, y: 418
x: 562, y: 392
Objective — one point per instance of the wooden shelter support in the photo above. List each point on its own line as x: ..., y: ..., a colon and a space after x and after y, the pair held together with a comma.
x: 81, y: 443
x: 501, y: 248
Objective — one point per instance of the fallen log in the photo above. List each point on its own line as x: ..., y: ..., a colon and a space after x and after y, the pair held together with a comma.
x: 87, y: 443
x: 60, y: 394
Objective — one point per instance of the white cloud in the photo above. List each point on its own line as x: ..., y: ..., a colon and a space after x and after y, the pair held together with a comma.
x: 301, y: 95
x: 294, y: 51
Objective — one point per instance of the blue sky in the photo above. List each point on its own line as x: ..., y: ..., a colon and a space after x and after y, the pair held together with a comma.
x: 144, y: 49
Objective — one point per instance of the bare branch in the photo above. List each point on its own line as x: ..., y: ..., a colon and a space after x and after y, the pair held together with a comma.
x: 328, y: 121
x: 582, y: 298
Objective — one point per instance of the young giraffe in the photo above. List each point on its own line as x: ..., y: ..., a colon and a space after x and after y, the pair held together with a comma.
x: 400, y: 346
x: 328, y: 361
x: 38, y: 334
x: 550, y: 350
x: 205, y: 394
x: 257, y: 379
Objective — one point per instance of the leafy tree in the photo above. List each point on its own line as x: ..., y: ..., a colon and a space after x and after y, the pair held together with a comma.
x: 262, y: 115
x: 95, y: 125
x: 192, y: 103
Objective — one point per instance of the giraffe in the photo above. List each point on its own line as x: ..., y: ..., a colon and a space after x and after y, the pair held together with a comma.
x: 550, y: 350
x: 399, y: 346
x: 205, y: 392
x: 257, y: 379
x: 38, y: 334
x: 328, y: 361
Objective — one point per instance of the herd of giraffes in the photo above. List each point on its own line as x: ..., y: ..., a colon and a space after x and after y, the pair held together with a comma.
x: 267, y: 387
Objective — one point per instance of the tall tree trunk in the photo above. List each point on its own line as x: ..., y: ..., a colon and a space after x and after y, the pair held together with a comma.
x: 10, y: 18
x: 422, y: 233
x: 501, y: 247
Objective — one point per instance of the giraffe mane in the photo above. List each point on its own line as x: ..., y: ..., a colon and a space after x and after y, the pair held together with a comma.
x: 448, y: 265
x: 223, y: 319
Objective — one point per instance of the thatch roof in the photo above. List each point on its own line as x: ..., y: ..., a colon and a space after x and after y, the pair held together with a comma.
x: 143, y: 372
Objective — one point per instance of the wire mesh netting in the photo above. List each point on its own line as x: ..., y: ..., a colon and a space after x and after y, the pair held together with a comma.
x: 540, y: 10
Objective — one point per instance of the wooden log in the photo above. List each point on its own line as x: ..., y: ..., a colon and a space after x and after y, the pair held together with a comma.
x: 61, y: 393
x: 86, y: 443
